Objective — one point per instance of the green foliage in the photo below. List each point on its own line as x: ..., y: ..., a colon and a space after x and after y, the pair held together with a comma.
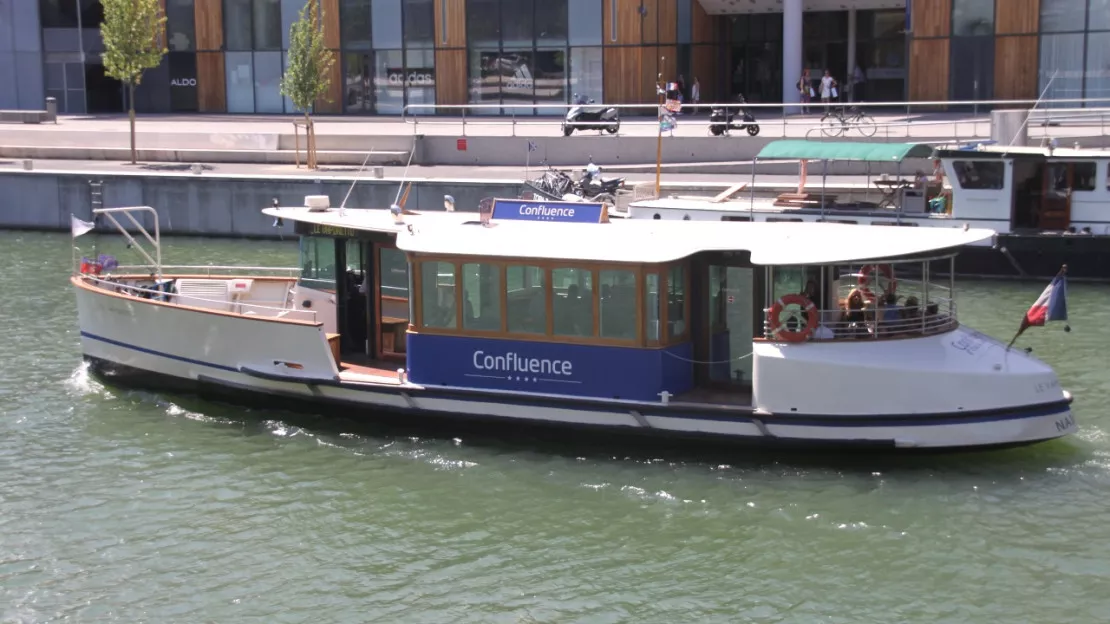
x: 134, y: 38
x: 307, y: 77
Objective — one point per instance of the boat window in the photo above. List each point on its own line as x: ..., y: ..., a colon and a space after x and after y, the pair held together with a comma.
x: 318, y: 262
x: 676, y: 302
x: 481, y: 296
x: 526, y: 299
x: 617, y: 292
x: 1083, y: 176
x: 572, y: 303
x: 787, y: 281
x: 393, y: 269
x: 651, y: 306
x: 984, y: 174
x: 437, y: 294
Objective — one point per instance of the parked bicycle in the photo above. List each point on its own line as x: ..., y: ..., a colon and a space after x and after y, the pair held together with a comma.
x: 837, y: 122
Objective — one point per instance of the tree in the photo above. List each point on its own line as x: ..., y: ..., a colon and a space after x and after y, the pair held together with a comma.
x: 134, y: 41
x: 308, y: 75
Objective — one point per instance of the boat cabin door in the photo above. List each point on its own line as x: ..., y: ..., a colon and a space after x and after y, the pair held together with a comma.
x: 724, y: 322
x: 1055, y: 209
x: 373, y: 300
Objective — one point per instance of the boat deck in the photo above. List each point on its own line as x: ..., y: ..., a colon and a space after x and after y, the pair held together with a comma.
x: 376, y: 371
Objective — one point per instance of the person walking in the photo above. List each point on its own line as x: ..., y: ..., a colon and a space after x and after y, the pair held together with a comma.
x: 805, y: 90
x: 695, y: 95
x: 858, y: 80
x: 828, y: 89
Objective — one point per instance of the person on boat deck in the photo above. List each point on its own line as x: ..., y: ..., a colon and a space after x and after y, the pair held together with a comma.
x: 891, y: 311
x: 854, y: 320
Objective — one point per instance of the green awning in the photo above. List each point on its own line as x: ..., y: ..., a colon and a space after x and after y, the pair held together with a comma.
x: 844, y: 150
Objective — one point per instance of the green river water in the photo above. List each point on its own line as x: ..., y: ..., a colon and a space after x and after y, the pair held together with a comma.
x: 127, y: 506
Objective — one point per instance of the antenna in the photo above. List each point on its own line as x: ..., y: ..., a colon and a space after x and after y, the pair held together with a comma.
x: 355, y: 181
x: 405, y: 176
x: 1035, y: 104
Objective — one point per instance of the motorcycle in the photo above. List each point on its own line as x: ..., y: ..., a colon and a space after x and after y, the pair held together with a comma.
x: 596, y: 188
x: 585, y: 117
x: 722, y: 121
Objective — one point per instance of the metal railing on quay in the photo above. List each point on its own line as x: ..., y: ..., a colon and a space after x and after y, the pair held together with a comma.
x: 1074, y: 111
x: 872, y: 323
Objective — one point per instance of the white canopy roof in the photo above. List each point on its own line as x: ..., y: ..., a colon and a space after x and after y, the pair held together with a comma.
x: 645, y: 241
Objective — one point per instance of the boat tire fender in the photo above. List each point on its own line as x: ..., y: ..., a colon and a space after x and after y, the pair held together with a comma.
x: 779, y: 329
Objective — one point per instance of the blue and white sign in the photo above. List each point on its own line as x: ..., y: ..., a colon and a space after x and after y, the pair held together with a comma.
x: 539, y: 210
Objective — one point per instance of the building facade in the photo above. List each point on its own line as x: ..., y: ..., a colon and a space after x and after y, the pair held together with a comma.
x: 516, y: 56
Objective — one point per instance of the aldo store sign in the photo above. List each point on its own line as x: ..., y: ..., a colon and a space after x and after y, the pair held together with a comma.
x: 183, y: 82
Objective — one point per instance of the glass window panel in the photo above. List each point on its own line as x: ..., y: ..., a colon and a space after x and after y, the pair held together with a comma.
x: 389, y: 95
x: 676, y: 302
x: 973, y: 77
x: 517, y: 81
x: 551, y: 22
x: 180, y: 25
x: 1062, y: 57
x: 889, y: 24
x: 979, y: 174
x: 317, y: 262
x: 437, y: 294
x: 267, y: 24
x: 517, y: 26
x: 58, y: 13
x: 1083, y: 176
x: 651, y: 305
x: 1098, y: 15
x: 483, y: 23
x: 481, y: 296
x: 617, y: 305
x: 419, y: 77
x: 526, y: 299
x: 584, y: 22
x: 92, y: 13
x: 1062, y: 15
x: 972, y: 17
x: 586, y: 74
x: 354, y: 24
x: 420, y: 24
x: 1098, y: 68
x: 240, y: 82
x: 485, y: 80
x: 237, y: 25
x: 685, y: 28
x: 551, y: 80
x: 358, y: 88
x: 572, y: 304
x: 385, y: 24
x: 267, y: 81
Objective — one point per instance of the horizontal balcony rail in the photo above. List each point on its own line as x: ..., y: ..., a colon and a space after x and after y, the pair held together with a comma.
x: 206, y: 269
x: 872, y: 323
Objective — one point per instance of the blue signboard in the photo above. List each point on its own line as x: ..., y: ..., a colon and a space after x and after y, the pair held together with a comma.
x: 539, y: 210
x: 549, y: 367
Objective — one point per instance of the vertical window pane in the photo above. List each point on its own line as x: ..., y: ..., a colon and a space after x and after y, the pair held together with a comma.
x: 358, y: 88
x: 972, y: 17
x: 317, y: 262
x: 237, y: 24
x: 551, y: 22
x: 517, y: 81
x: 1099, y: 15
x: 1062, y: 15
x: 385, y: 24
x: 180, y: 25
x: 572, y: 304
x: 517, y: 27
x: 651, y: 305
x: 526, y: 299
x: 240, y: 82
x: 584, y: 21
x: 267, y: 82
x: 420, y: 24
x: 617, y: 305
x: 483, y: 23
x: 1098, y: 68
x: 419, y: 79
x: 437, y: 294
x: 1062, y: 56
x: 551, y: 79
x: 354, y: 24
x: 389, y: 95
x: 586, y: 74
x: 676, y: 302
x: 58, y: 13
x: 485, y: 80
x: 482, y: 296
x: 267, y: 24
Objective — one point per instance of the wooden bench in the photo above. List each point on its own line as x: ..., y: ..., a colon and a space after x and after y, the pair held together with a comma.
x: 393, y: 334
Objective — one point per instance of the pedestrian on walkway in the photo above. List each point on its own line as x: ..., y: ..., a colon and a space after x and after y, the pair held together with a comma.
x: 695, y: 95
x: 858, y: 78
x: 828, y: 89
x: 805, y: 90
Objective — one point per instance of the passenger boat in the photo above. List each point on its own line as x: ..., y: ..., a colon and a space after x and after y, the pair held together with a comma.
x: 551, y: 315
x: 1047, y: 204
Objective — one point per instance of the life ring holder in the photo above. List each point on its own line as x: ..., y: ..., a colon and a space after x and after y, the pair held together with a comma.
x: 779, y: 330
x: 868, y: 270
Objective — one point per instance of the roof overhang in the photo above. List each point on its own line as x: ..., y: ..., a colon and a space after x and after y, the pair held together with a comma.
x: 792, y: 149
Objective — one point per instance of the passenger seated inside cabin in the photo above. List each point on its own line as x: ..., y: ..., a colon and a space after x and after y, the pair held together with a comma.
x: 854, y: 320
x: 911, y: 310
x: 891, y: 311
x: 574, y: 313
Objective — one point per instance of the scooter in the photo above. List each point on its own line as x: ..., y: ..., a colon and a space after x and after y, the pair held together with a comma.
x: 585, y: 117
x: 722, y: 121
x: 591, y: 185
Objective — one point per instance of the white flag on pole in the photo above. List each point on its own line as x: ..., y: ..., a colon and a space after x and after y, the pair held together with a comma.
x: 79, y: 227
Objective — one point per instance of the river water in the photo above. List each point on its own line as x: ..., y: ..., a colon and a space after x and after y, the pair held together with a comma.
x: 125, y: 506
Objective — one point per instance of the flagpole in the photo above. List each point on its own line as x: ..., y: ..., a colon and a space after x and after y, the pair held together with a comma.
x: 659, y: 139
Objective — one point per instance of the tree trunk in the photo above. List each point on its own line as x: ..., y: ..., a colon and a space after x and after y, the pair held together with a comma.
x: 310, y: 142
x: 131, y: 116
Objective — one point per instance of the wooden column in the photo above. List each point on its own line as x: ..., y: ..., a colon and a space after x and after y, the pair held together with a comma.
x: 451, y: 65
x: 1015, y: 50
x: 929, y: 66
x: 705, y: 53
x: 211, y: 81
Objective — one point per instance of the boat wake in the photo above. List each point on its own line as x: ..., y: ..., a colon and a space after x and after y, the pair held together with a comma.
x: 82, y: 382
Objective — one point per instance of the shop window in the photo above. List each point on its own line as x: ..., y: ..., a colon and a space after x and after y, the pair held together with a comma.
x: 358, y: 87
x: 517, y: 25
x: 266, y: 18
x: 58, y: 13
x: 1098, y: 15
x: 979, y: 175
x: 515, y: 71
x: 1098, y: 64
x: 354, y: 24
x: 240, y: 82
x: 676, y: 302
x: 419, y: 80
x: 617, y: 304
x: 317, y: 262
x: 651, y: 306
x: 586, y: 74
x: 267, y: 82
x: 1062, y: 15
x: 237, y: 24
x: 550, y: 80
x: 972, y: 18
x: 420, y: 24
x: 389, y: 83
x: 485, y: 79
x: 483, y: 23
x: 551, y: 22
x: 526, y: 299
x: 572, y: 303
x: 180, y: 25
x: 437, y: 294
x: 584, y: 22
x: 1061, y: 68
x: 386, y: 24
x: 481, y: 298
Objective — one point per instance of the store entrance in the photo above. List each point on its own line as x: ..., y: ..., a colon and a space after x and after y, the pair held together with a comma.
x: 103, y: 94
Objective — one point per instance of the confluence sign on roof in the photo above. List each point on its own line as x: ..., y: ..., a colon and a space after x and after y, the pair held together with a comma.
x: 557, y: 211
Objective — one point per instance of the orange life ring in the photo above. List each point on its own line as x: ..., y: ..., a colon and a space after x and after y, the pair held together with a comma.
x: 865, y: 278
x: 779, y: 330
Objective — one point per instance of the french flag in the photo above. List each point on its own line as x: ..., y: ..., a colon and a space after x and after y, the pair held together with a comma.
x: 1052, y: 305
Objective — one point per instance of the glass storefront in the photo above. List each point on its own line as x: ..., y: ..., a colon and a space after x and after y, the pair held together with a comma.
x: 1074, y: 58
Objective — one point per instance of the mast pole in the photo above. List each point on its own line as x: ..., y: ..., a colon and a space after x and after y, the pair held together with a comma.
x: 661, y: 94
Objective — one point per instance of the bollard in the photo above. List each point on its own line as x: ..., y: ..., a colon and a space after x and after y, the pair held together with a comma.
x: 28, y: 164
x: 52, y: 109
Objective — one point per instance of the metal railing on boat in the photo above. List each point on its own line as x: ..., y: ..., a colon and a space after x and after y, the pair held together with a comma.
x: 874, y: 322
x: 207, y: 269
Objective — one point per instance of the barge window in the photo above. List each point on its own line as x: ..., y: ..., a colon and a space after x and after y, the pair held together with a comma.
x: 617, y: 291
x: 651, y: 306
x: 676, y: 302
x: 572, y: 302
x: 393, y: 271
x: 1083, y: 177
x: 437, y: 294
x: 979, y: 175
x: 318, y: 262
x: 481, y: 296
x: 526, y: 299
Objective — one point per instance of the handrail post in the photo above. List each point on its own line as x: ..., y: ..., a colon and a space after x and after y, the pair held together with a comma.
x: 463, y: 109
